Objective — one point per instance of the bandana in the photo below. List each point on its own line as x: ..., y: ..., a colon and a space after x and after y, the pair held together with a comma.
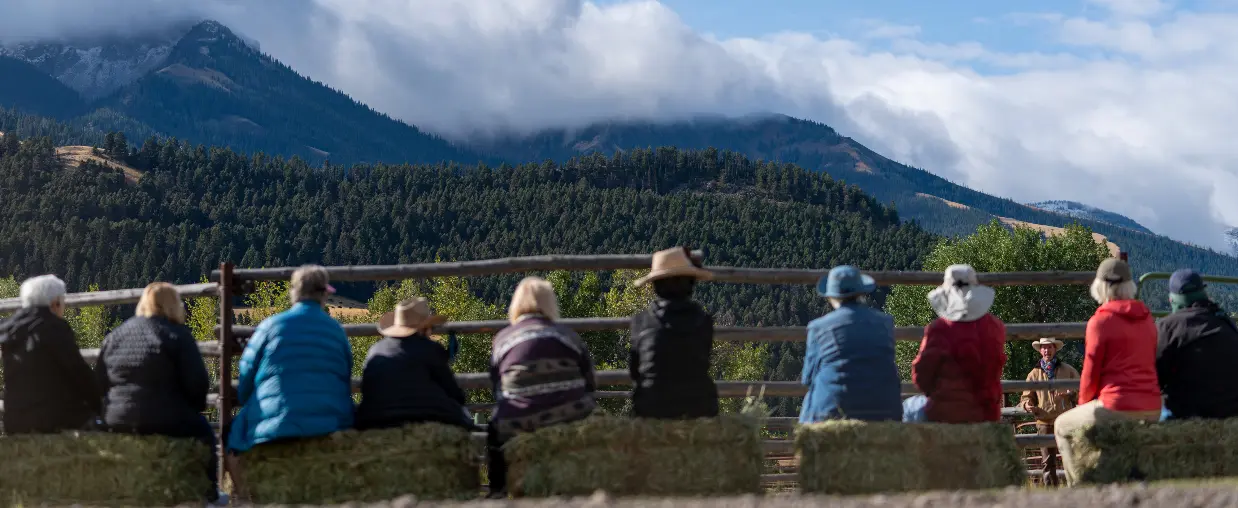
x: 1050, y: 367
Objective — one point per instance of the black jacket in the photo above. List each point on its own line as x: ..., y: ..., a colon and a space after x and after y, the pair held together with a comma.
x: 153, y: 376
x: 1195, y: 362
x: 672, y: 342
x: 409, y: 380
x: 48, y: 385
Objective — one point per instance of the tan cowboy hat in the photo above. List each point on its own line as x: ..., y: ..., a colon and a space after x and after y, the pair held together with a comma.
x: 673, y: 263
x: 1057, y: 344
x: 408, y: 317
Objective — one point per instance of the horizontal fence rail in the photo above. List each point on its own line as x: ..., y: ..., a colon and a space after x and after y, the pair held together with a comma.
x: 642, y: 261
x: 117, y: 297
x: 1014, y: 331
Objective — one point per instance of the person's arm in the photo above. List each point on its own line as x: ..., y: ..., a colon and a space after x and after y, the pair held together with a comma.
x: 637, y: 325
x: 586, y: 366
x: 440, y: 372
x: 1089, y: 380
x: 1166, y: 355
x: 1028, y: 400
x: 61, y: 344
x: 812, y: 354
x: 251, y: 361
x: 102, y: 381
x: 925, y: 367
x: 195, y: 381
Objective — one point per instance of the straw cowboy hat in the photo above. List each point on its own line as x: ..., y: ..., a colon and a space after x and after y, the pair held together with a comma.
x: 673, y: 263
x: 1045, y: 341
x: 408, y: 317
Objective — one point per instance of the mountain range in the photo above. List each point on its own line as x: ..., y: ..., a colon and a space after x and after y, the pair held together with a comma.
x: 204, y: 84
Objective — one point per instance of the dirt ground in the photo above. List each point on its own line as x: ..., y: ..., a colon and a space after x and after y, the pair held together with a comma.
x: 1192, y: 496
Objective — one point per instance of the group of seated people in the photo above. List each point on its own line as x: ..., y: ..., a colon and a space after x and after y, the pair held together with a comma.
x: 295, y: 371
x: 1133, y: 366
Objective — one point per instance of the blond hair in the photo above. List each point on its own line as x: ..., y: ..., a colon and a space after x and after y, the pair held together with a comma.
x: 534, y: 295
x: 1104, y: 291
x: 160, y: 299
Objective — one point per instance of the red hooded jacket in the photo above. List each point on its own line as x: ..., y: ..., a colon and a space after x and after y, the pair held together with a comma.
x: 1119, y: 366
x: 959, y: 368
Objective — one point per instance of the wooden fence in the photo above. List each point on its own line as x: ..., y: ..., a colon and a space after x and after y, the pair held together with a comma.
x: 228, y: 282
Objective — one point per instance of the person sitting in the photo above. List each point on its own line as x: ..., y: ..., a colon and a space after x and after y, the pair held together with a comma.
x: 1119, y: 363
x: 49, y: 388
x: 407, y: 376
x: 672, y: 342
x: 542, y: 374
x: 849, y: 363
x: 295, y: 375
x: 1047, y: 405
x: 959, y: 366
x: 1195, y: 345
x: 154, y: 379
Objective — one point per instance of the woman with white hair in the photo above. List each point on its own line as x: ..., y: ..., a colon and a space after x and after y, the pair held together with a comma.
x: 49, y: 387
x: 959, y: 367
x: 542, y: 374
x: 1119, y: 364
x: 153, y: 377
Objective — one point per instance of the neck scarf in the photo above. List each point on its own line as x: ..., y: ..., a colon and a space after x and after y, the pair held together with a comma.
x: 1049, y: 367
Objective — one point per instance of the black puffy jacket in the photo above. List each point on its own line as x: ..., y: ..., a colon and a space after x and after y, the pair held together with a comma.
x: 48, y: 385
x: 409, y: 380
x: 672, y: 342
x: 153, y: 376
x: 1196, y: 347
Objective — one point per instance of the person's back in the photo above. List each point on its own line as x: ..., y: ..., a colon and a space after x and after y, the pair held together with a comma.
x: 295, y: 378
x: 1120, y: 359
x: 153, y: 375
x: 849, y: 366
x: 542, y: 375
x: 409, y: 380
x: 959, y: 369
x: 1195, y: 366
x: 672, y: 344
x: 49, y: 387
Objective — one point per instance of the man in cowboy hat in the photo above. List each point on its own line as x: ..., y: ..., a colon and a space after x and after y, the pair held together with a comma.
x: 1196, y: 347
x: 1046, y: 405
x: 672, y: 342
x: 849, y: 360
x: 407, y: 376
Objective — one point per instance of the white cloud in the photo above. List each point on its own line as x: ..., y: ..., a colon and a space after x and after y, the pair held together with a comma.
x: 1135, y: 118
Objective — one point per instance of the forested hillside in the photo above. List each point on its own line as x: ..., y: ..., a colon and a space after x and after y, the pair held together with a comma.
x: 196, y: 206
x: 918, y: 194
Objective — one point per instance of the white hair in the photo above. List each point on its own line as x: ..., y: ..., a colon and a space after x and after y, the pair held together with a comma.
x: 1104, y: 291
x: 838, y: 302
x: 41, y: 291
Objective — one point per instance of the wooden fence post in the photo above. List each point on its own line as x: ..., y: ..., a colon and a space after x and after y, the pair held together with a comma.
x: 227, y: 347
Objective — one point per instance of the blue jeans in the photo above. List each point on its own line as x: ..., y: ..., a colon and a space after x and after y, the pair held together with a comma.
x: 1165, y: 414
x: 914, y: 408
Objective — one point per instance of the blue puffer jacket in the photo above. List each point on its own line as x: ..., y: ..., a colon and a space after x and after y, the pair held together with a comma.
x: 295, y: 379
x: 849, y: 367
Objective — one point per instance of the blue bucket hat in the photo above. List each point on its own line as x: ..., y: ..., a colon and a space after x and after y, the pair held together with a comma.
x: 844, y: 282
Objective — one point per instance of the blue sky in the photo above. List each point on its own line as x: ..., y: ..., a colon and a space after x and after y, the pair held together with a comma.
x: 989, y: 22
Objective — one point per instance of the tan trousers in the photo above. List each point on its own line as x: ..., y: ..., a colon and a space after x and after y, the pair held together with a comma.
x: 1087, y: 415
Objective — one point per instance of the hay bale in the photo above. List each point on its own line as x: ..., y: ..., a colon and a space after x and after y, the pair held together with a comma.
x: 96, y: 468
x: 428, y: 460
x: 854, y: 457
x: 633, y: 456
x: 1112, y: 452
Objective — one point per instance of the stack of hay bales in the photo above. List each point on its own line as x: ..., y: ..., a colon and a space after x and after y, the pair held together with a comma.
x: 633, y: 456
x: 429, y: 460
x: 102, y: 469
x: 853, y: 457
x: 1120, y: 451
